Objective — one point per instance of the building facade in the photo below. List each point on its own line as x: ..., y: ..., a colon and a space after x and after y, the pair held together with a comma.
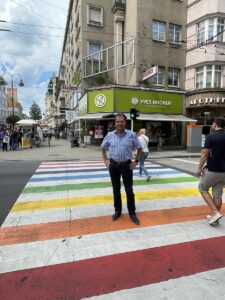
x: 51, y: 107
x: 3, y: 108
x: 205, y: 63
x: 111, y: 46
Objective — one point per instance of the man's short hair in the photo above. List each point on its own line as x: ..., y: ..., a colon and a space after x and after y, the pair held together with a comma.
x: 121, y: 115
x: 220, y: 122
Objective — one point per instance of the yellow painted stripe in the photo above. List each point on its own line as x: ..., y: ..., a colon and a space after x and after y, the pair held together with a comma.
x: 101, y: 199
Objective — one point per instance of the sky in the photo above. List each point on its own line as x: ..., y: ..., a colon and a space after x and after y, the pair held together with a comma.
x: 32, y: 50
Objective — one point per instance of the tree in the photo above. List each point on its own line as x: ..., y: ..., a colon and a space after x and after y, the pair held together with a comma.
x: 12, y: 119
x: 35, y: 111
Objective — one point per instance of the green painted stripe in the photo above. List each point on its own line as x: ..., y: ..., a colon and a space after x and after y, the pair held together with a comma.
x: 95, y: 185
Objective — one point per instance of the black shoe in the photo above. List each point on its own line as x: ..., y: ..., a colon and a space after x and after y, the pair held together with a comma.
x: 134, y: 219
x: 116, y: 215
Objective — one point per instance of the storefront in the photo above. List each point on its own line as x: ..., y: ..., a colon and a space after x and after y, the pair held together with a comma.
x: 205, y: 106
x: 161, y: 113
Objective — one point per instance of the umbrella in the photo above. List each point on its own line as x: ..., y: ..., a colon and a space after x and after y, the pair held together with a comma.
x: 28, y: 122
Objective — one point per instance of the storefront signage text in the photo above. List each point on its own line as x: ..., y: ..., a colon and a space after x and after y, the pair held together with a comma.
x: 155, y: 102
x: 208, y: 101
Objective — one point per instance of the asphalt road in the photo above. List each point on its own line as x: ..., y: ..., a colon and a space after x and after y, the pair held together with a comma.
x: 185, y: 164
x: 13, y: 177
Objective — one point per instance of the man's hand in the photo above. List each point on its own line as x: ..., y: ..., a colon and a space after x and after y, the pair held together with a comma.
x: 106, y: 161
x: 199, y: 172
x: 133, y: 165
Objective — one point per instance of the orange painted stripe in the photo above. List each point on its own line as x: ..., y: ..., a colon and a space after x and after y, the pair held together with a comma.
x: 57, y: 230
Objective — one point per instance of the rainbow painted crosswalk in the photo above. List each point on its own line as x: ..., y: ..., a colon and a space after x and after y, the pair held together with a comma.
x: 59, y: 241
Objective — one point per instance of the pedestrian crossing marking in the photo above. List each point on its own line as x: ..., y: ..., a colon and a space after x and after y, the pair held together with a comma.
x: 49, y: 250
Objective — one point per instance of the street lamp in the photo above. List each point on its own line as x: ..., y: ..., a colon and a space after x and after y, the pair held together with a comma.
x: 21, y: 84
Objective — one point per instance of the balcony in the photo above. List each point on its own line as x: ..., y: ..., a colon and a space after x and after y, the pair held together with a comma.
x: 118, y: 5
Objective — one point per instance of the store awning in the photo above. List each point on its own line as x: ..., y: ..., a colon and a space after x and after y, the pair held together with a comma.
x: 146, y: 117
x: 97, y: 116
x: 163, y: 117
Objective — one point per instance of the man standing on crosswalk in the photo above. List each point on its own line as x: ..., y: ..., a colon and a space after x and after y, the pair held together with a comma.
x: 120, y: 143
x: 213, y: 174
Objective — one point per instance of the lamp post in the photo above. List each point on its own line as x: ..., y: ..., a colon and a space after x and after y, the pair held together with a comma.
x: 21, y: 84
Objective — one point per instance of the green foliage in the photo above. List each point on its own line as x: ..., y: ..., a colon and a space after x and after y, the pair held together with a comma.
x: 35, y: 111
x: 12, y: 119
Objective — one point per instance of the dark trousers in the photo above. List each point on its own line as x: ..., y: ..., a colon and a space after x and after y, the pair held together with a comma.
x: 116, y: 171
x: 4, y: 146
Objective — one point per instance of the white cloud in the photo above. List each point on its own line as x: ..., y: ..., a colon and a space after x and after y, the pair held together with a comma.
x: 35, y: 57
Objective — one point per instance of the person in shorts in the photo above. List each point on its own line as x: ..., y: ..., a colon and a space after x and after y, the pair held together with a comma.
x: 213, y: 173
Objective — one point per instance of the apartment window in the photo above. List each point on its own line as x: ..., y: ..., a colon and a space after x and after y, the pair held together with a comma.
x: 158, y: 31
x: 217, y: 77
x: 208, y: 76
x: 210, y: 30
x: 173, y: 77
x: 174, y: 33
x: 95, y: 15
x: 94, y: 49
x: 158, y: 78
x: 220, y: 29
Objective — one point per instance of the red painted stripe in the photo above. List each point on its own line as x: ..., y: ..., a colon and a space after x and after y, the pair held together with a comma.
x: 115, y: 272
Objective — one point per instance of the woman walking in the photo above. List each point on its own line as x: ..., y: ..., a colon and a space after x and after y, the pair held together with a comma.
x: 144, y: 143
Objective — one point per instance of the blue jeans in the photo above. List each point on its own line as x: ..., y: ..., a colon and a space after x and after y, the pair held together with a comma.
x: 142, y: 168
x: 116, y: 171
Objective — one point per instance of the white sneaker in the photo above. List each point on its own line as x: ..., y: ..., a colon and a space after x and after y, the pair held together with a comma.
x: 208, y: 217
x: 215, y: 218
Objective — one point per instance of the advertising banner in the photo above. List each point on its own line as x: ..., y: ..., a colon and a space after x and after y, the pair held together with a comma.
x: 98, y: 132
x: 101, y: 101
x: 148, y: 101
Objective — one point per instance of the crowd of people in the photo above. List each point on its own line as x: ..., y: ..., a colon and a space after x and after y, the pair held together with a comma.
x: 11, y: 139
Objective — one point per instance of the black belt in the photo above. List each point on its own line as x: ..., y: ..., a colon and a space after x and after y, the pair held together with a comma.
x: 114, y: 162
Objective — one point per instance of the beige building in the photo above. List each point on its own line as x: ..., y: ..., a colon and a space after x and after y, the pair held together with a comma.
x: 51, y: 104
x: 205, y: 63
x: 112, y: 45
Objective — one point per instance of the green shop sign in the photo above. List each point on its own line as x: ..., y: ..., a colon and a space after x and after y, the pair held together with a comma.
x: 101, y: 101
x: 148, y: 101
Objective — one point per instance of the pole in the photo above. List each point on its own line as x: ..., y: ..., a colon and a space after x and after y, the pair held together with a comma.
x: 132, y: 125
x: 12, y: 100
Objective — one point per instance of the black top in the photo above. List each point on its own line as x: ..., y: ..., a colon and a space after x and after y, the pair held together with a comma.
x: 215, y: 142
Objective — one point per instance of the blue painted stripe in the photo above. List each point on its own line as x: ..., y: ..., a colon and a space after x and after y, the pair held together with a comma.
x: 90, y: 176
x: 85, y: 170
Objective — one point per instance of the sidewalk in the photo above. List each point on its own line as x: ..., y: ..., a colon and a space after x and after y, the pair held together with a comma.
x: 60, y: 150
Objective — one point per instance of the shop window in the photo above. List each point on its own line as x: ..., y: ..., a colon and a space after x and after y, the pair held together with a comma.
x: 173, y: 77
x: 158, y: 31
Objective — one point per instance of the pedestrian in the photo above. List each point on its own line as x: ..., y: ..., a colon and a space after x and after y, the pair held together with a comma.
x: 30, y: 137
x: 159, y: 138
x: 5, y: 141
x: 213, y: 173
x: 14, y: 139
x: 20, y: 138
x: 143, y: 139
x: 120, y: 144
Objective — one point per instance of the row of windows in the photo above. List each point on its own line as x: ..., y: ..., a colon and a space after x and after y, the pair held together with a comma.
x: 210, y: 30
x: 173, y: 77
x: 159, y: 32
x: 208, y: 76
x: 95, y: 17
